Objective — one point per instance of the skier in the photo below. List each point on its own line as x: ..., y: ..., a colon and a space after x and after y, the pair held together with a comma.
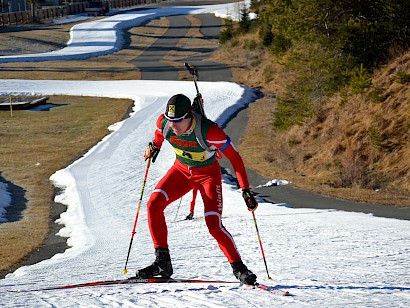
x: 195, y: 167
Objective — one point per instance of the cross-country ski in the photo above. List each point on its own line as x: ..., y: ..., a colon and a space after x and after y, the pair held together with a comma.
x: 131, y: 280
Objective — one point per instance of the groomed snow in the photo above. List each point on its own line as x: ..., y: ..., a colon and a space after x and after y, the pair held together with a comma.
x: 325, y: 258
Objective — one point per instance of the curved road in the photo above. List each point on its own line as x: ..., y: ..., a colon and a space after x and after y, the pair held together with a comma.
x: 149, y: 62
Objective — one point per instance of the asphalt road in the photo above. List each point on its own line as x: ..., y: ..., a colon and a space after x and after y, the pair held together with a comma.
x: 149, y: 62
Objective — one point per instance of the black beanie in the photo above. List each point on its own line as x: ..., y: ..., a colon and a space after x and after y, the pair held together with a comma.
x: 177, y: 106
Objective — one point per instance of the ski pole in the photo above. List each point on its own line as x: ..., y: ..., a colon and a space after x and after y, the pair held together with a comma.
x: 124, y: 271
x: 260, y: 244
x: 176, y: 215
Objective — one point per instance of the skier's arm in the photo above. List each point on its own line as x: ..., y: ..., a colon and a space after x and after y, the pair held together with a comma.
x: 217, y: 137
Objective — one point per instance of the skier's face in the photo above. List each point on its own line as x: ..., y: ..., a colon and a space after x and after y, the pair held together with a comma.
x: 179, y: 128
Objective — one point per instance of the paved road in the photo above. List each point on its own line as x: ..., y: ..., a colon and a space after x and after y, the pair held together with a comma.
x: 149, y: 62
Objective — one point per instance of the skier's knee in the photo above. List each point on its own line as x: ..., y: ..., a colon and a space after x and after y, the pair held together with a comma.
x: 213, y: 224
x: 158, y: 200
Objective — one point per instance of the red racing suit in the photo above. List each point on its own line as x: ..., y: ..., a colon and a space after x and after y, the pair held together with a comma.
x: 194, y: 167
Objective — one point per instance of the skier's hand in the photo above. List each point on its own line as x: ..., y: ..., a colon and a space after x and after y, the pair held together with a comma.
x: 151, y: 152
x: 250, y: 200
x: 197, y: 104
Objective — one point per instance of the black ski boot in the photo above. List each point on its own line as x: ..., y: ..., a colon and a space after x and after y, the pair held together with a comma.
x: 190, y: 216
x: 242, y: 273
x: 161, y: 267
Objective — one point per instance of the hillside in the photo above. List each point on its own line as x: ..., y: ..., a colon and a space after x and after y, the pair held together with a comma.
x: 356, y: 146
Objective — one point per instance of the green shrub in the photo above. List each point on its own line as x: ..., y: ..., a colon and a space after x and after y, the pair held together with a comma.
x: 280, y: 44
x: 359, y: 79
x: 267, y: 73
x: 344, y: 97
x: 245, y: 22
x: 291, y: 111
x: 266, y: 35
x: 375, y: 95
x: 256, y: 63
x: 227, y: 32
x: 250, y: 45
x: 375, y: 137
x: 293, y: 142
x: 401, y: 75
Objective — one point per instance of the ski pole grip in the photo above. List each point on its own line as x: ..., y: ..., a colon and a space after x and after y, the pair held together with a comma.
x: 192, y: 70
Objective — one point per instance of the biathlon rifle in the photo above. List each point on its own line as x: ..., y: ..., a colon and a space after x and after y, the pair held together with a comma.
x: 198, y: 103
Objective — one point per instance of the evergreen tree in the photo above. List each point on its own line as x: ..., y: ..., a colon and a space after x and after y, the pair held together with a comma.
x: 245, y: 22
x: 364, y: 29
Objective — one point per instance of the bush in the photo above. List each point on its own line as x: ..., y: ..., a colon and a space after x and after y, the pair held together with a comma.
x: 250, y: 45
x: 266, y: 35
x: 227, y: 32
x: 375, y: 137
x: 291, y: 111
x: 359, y: 79
x: 401, y: 75
x: 267, y: 73
x: 280, y: 44
x: 245, y: 23
x: 356, y: 170
x: 375, y: 95
x: 256, y: 63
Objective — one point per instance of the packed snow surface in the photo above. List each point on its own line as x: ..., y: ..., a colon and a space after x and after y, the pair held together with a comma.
x: 324, y: 258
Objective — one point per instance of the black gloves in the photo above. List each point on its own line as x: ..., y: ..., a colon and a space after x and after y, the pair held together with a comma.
x: 197, y: 105
x: 151, y: 152
x: 250, y: 200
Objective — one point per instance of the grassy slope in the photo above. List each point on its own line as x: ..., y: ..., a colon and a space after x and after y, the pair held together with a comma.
x: 356, y: 140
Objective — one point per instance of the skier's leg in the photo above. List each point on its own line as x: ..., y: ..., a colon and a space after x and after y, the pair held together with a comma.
x: 211, y: 191
x: 170, y: 188
x: 225, y: 241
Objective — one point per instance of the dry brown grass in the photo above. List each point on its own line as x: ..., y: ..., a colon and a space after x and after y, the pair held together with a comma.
x: 115, y: 66
x: 36, y: 144
x: 358, y: 142
x: 253, y: 67
x: 28, y: 39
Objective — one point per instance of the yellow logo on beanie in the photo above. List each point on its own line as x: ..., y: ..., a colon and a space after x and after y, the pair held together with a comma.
x: 171, y: 110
